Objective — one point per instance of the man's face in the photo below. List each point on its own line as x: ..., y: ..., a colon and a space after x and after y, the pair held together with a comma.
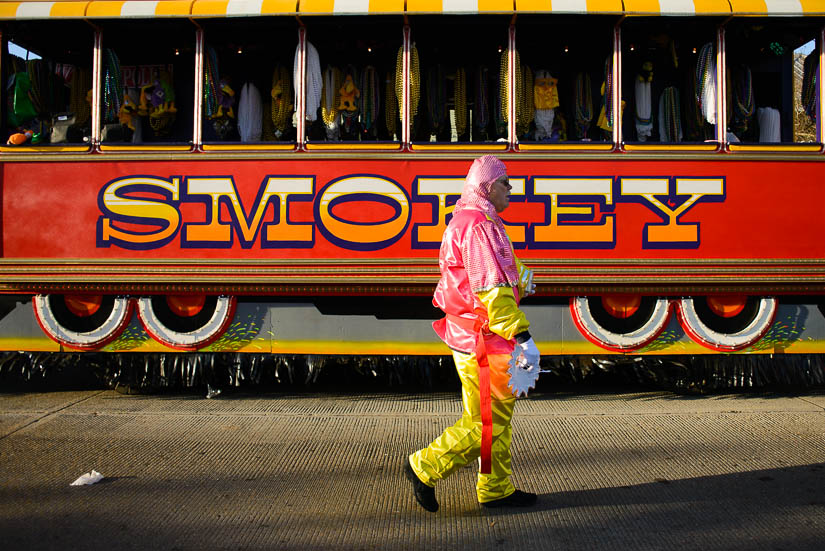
x: 500, y: 193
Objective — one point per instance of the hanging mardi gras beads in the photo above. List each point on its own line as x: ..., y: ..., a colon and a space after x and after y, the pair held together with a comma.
x: 810, y: 78
x: 80, y: 84
x: 370, y: 98
x: 671, y: 124
x: 504, y: 86
x: 481, y: 111
x: 605, y: 121
x: 112, y: 86
x: 210, y: 82
x: 280, y: 109
x: 330, y: 95
x: 415, y: 80
x: 583, y: 99
x: 390, y: 106
x: 705, y: 89
x: 460, y: 101
x: 436, y: 99
x: 525, y: 110
x: 743, y: 104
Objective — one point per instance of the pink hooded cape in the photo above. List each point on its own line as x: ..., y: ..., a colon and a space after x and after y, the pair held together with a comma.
x: 475, y: 256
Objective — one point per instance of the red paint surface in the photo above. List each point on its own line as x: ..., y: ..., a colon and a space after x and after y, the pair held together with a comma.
x: 772, y: 210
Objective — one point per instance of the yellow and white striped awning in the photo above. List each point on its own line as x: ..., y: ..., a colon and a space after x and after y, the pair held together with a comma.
x: 242, y: 8
x: 349, y: 7
x: 43, y: 10
x: 138, y: 8
x: 459, y: 6
x: 778, y: 7
x: 66, y: 9
x: 676, y: 7
x: 569, y: 6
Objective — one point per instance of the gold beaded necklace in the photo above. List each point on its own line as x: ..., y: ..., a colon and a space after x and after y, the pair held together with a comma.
x: 415, y: 80
x: 504, y: 87
x: 80, y: 84
x: 332, y: 77
x: 281, y: 107
x: 460, y: 101
x: 525, y: 108
x: 391, y: 106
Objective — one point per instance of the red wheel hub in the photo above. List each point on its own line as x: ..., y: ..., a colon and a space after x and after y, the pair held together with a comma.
x: 621, y: 306
x: 186, y: 306
x: 83, y: 306
x: 727, y: 306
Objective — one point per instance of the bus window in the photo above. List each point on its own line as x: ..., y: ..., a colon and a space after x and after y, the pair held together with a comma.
x: 147, y: 82
x: 47, y: 68
x: 462, y: 67
x: 565, y: 93
x: 351, y: 81
x: 248, y: 94
x: 669, y: 79
x: 771, y: 90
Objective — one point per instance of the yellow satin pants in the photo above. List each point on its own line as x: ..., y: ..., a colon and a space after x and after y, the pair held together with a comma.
x: 460, y: 444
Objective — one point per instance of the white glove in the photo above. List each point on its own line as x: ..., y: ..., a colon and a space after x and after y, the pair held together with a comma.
x: 530, y: 352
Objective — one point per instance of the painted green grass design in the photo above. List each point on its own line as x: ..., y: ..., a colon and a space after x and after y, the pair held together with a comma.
x: 238, y: 335
x: 782, y: 334
x: 132, y: 337
x: 669, y: 338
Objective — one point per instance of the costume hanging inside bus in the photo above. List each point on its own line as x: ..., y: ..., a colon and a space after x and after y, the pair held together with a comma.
x: 481, y: 284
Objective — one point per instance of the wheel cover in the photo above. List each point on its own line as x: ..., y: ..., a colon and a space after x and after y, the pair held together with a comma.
x: 212, y: 322
x: 699, y: 330
x: 102, y: 326
x: 595, y: 332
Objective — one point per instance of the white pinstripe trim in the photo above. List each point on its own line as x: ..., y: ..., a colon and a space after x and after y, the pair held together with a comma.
x: 673, y: 7
x: 783, y: 6
x: 244, y: 7
x: 133, y: 8
x: 34, y: 10
x: 568, y: 6
x: 459, y: 6
x: 351, y: 6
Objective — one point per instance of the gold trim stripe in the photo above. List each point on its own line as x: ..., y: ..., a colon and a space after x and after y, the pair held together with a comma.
x: 249, y: 147
x: 565, y: 147
x: 458, y: 147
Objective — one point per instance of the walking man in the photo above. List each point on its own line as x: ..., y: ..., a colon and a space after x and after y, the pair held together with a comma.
x: 481, y: 284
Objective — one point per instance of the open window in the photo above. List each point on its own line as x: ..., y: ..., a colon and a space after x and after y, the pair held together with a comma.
x: 669, y: 82
x: 248, y: 94
x: 566, y: 95
x: 147, y: 84
x: 47, y: 71
x: 353, y: 81
x: 461, y: 64
x: 772, y: 92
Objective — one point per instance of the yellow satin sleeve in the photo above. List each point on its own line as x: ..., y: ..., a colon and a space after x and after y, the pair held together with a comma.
x: 525, y: 276
x: 506, y: 319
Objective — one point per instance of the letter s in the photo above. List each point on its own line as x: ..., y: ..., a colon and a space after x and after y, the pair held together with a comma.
x: 124, y: 204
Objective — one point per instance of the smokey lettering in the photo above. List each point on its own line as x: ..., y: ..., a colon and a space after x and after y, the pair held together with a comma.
x: 143, y: 212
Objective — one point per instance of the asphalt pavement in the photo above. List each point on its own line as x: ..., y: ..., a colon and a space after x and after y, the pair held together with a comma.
x: 614, y: 470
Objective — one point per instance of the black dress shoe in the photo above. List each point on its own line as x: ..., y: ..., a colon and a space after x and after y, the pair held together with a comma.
x: 424, y: 495
x: 516, y: 499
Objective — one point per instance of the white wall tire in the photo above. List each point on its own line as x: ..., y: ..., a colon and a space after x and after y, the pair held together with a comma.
x: 630, y: 333
x: 83, y: 332
x: 190, y: 332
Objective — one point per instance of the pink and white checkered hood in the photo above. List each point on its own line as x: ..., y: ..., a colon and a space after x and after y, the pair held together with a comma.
x: 475, y: 256
x: 489, y: 261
